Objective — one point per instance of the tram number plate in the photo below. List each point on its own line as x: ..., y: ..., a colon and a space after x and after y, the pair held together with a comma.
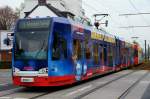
x: 27, y: 80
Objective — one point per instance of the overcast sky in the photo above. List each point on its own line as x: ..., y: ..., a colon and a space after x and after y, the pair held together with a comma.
x: 114, y: 8
x: 11, y: 3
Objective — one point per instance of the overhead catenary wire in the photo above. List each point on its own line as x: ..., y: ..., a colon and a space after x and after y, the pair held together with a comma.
x: 128, y: 22
x: 134, y: 14
x: 136, y: 26
x: 98, y: 11
x: 132, y: 4
x: 128, y: 14
x: 117, y: 23
x: 88, y: 5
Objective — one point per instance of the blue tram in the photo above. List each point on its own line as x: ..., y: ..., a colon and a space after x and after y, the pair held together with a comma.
x: 57, y: 51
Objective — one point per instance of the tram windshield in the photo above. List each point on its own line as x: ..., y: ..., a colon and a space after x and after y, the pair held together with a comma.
x: 31, y: 39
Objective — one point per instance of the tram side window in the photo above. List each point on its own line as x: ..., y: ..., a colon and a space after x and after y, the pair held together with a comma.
x: 135, y: 53
x: 101, y: 54
x: 95, y: 49
x: 59, y: 47
x: 110, y: 52
x: 110, y: 55
x: 105, y: 54
x: 87, y: 47
x: 88, y: 52
x: 77, y: 49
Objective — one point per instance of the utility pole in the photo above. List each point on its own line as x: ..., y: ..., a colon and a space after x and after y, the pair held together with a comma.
x: 145, y: 50
x: 148, y: 52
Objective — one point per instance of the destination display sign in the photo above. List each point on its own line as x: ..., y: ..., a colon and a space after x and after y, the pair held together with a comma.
x: 97, y: 36
x: 34, y: 24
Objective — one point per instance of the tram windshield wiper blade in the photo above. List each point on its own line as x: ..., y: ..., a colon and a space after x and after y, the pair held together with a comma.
x: 40, y: 49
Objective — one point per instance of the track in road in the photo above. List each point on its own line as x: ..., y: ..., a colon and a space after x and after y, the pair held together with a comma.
x: 101, y: 86
x: 118, y: 89
x: 18, y: 91
x: 92, y: 89
x: 125, y: 93
x: 33, y: 93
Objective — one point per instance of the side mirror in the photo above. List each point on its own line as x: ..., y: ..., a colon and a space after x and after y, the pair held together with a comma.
x: 106, y: 23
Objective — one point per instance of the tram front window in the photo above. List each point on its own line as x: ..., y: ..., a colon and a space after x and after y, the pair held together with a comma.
x: 31, y: 41
x: 59, y: 50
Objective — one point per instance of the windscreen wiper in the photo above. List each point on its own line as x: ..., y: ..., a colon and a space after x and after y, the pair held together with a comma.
x: 40, y: 49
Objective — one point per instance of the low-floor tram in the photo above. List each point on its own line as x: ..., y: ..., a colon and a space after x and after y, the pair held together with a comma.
x: 57, y: 51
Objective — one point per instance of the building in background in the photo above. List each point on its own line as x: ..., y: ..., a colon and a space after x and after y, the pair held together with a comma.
x: 6, y: 44
x: 73, y: 6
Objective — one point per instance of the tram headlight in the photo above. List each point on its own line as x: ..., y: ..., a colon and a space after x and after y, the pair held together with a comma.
x: 15, y: 69
x: 43, y: 71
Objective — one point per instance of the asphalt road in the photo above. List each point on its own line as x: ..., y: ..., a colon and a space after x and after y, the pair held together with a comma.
x: 127, y: 84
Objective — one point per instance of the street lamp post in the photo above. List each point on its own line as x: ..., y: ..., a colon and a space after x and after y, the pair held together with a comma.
x: 145, y: 50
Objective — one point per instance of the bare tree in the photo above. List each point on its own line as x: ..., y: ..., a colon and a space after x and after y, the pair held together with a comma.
x: 7, y: 18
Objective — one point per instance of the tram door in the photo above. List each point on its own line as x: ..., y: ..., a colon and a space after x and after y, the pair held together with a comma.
x: 96, y: 55
x: 110, y: 56
x: 103, y: 55
x: 78, y: 50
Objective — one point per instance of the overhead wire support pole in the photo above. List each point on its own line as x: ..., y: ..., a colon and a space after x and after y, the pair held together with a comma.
x: 148, y: 52
x: 145, y: 51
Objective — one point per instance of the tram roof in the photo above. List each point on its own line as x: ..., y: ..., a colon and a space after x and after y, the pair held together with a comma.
x: 78, y: 24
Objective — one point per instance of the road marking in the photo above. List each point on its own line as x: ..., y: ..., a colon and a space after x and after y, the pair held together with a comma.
x: 12, y: 98
x: 79, y: 90
x: 5, y: 97
x: 20, y: 98
x: 7, y: 92
x: 145, y: 82
x: 4, y: 84
x: 101, y: 82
